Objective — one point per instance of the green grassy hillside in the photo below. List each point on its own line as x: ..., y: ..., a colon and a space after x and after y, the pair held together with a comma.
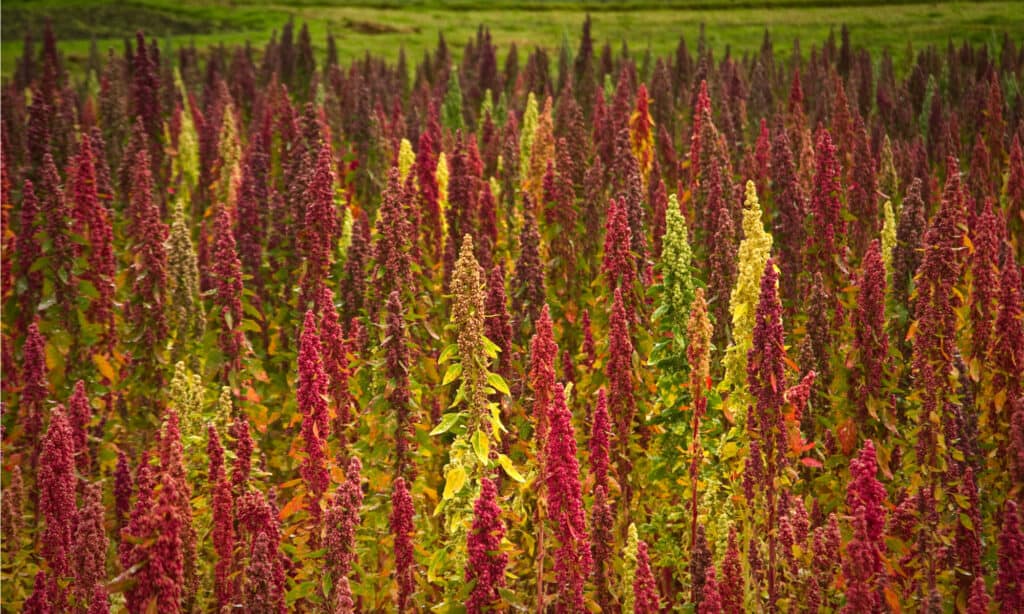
x: 383, y: 26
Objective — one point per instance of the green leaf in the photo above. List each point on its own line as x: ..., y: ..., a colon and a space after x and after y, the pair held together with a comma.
x: 510, y: 469
x: 447, y: 354
x: 490, y: 348
x: 452, y: 373
x: 498, y: 383
x: 447, y: 422
x: 454, y: 483
x: 481, y: 445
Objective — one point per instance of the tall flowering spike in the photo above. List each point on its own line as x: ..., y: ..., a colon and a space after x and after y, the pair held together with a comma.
x: 227, y: 280
x: 253, y: 203
x: 1015, y: 188
x: 488, y: 223
x: 79, y: 415
x: 935, y: 310
x: 149, y: 270
x: 36, y: 386
x: 393, y: 240
x: 259, y: 587
x: 429, y: 198
x: 600, y: 434
x: 498, y: 323
x: 333, y: 351
x: 319, y: 230
x: 13, y: 511
x: 187, y: 319
x: 468, y: 317
x: 402, y: 529
x: 486, y: 564
x: 39, y: 601
x: 177, y: 492
x: 629, y: 555
x: 659, y: 201
x: 968, y: 540
x: 529, y: 298
x: 676, y: 268
x: 863, y: 564
x: 28, y: 249
x: 765, y: 380
x: 909, y: 233
x: 733, y: 580
x: 264, y: 584
x: 56, y: 484
x: 463, y: 196
x: 406, y: 159
x: 223, y: 534
x: 984, y: 283
x: 602, y: 520
x: 978, y: 600
x: 712, y: 602
x: 700, y: 563
x: 565, y: 507
x: 790, y: 204
x: 870, y: 337
x: 888, y: 237
x: 145, y: 99
x: 122, y: 488
x: 641, y: 132
x: 239, y: 431
x: 698, y: 347
x: 645, y: 592
x: 701, y: 114
x: 826, y: 210
x: 527, y: 133
x: 215, y: 451
x: 863, y: 193
x: 588, y: 347
x: 543, y: 352
x: 186, y: 396
x: 1009, y: 590
x: 766, y: 362
x: 342, y: 520
x: 91, y: 219
x: 720, y: 233
x: 89, y: 551
x: 353, y: 285
x: 754, y: 252
x: 1008, y: 350
x: 442, y: 181
x: 312, y: 400
x: 618, y: 265
x: 61, y: 252
x: 621, y: 404
x: 397, y: 370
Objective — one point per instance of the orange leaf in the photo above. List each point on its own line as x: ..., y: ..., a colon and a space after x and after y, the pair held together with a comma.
x: 808, y: 461
x: 292, y: 506
x: 892, y: 599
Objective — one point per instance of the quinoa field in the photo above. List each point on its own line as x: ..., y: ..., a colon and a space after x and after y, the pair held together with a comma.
x: 455, y: 307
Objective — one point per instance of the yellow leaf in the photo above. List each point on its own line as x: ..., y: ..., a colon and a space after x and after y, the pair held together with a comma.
x: 104, y: 366
x: 456, y: 479
x: 506, y: 464
x: 481, y: 445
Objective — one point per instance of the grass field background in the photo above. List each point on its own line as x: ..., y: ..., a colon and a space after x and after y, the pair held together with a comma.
x: 385, y: 26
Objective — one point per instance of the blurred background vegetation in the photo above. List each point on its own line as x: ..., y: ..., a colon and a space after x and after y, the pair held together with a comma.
x: 382, y: 27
